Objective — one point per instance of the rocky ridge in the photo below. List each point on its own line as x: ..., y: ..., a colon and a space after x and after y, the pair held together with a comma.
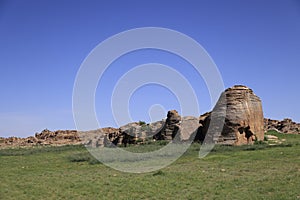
x: 236, y: 119
x: 284, y: 126
x: 46, y: 137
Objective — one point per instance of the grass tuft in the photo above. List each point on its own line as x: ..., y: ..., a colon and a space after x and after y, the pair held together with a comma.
x: 159, y: 173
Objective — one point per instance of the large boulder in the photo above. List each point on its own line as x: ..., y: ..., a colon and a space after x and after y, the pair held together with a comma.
x: 237, y: 117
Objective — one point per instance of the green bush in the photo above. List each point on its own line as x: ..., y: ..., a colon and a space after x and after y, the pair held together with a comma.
x: 141, y: 123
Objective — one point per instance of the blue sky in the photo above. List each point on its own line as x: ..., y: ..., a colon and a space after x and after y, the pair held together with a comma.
x: 43, y: 43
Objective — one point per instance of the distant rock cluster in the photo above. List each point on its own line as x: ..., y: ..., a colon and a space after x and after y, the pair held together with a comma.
x: 46, y: 137
x: 236, y: 119
x: 132, y: 133
x: 284, y: 126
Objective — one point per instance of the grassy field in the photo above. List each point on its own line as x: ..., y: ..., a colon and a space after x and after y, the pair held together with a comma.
x: 247, y: 172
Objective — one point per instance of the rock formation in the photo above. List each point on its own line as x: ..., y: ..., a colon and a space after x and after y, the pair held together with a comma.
x: 101, y: 137
x: 236, y: 119
x: 139, y: 132
x: 284, y: 126
x: 46, y: 137
x: 59, y: 135
x: 171, y: 126
x: 132, y: 133
x: 240, y: 111
x: 188, y: 128
x: 177, y: 128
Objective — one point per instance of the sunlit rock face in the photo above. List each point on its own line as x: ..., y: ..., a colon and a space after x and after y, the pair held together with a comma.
x: 240, y: 113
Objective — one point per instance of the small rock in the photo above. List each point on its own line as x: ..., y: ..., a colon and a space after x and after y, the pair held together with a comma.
x: 271, y: 137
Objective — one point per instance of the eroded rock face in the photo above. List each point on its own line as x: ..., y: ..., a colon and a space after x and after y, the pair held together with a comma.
x: 132, y: 133
x: 59, y: 135
x: 178, y: 128
x: 101, y: 137
x: 188, y: 128
x: 243, y: 120
x: 138, y: 132
x: 284, y: 126
x: 171, y: 126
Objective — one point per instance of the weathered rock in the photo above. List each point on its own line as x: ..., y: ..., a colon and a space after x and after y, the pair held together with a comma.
x: 236, y: 119
x: 2, y: 140
x: 204, y: 121
x: 171, y: 126
x: 240, y: 111
x: 134, y: 132
x: 138, y: 132
x: 32, y: 140
x: 271, y: 137
x: 93, y: 138
x: 284, y: 126
x: 177, y: 128
x: 113, y: 135
x: 59, y: 137
x: 188, y: 128
x: 101, y: 137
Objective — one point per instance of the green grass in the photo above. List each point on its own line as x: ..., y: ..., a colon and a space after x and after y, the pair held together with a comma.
x: 70, y: 172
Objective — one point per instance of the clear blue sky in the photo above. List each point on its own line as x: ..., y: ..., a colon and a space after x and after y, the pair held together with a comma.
x: 43, y: 43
